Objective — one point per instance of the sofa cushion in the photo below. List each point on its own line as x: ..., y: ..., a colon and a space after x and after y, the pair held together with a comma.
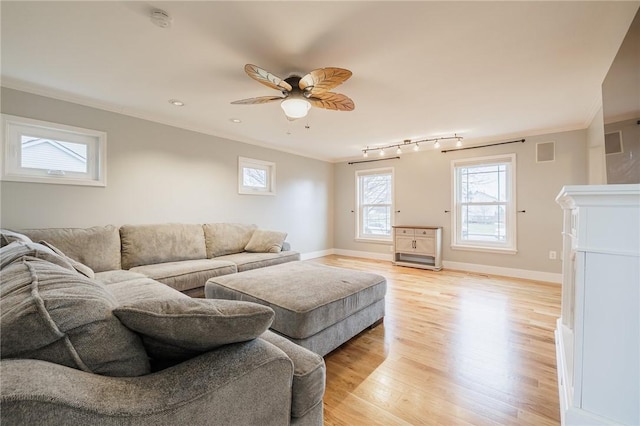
x: 117, y: 276
x: 227, y: 238
x: 140, y: 289
x: 182, y: 327
x: 246, y: 261
x: 82, y: 269
x: 7, y: 237
x: 263, y: 241
x: 170, y: 242
x: 97, y: 247
x: 53, y: 314
x: 187, y: 274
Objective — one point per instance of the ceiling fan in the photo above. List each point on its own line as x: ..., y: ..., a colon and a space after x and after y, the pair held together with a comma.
x: 300, y: 93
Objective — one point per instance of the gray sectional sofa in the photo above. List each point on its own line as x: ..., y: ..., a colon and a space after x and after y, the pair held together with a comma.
x: 95, y: 331
x: 182, y: 256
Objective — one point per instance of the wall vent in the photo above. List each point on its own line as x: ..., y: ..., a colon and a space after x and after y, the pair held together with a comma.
x: 613, y: 143
x: 545, y: 151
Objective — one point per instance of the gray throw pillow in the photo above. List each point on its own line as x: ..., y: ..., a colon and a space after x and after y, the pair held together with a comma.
x: 80, y: 267
x: 17, y: 250
x: 53, y: 314
x: 179, y: 328
x: 7, y: 237
x: 266, y: 241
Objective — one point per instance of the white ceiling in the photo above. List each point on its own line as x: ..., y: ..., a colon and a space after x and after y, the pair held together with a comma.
x: 488, y: 71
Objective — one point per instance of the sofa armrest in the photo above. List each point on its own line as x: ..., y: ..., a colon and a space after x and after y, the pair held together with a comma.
x: 244, y: 383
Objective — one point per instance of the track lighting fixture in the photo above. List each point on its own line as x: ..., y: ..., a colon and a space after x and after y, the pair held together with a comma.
x: 409, y: 142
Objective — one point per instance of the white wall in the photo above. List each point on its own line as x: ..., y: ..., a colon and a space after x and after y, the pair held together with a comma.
x: 423, y: 193
x: 158, y: 173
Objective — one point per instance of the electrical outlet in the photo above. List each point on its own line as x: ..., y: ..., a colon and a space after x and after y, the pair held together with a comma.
x: 553, y: 255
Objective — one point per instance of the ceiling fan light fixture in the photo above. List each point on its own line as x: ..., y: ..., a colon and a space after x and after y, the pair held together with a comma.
x: 295, y: 108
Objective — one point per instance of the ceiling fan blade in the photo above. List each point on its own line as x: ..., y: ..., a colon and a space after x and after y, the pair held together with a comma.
x: 330, y: 100
x: 323, y: 79
x: 266, y: 78
x: 259, y: 100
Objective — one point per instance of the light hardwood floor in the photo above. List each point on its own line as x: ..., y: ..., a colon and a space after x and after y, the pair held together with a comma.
x: 455, y: 348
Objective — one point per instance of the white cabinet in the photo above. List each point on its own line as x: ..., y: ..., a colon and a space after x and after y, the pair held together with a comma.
x: 598, y: 333
x: 418, y: 246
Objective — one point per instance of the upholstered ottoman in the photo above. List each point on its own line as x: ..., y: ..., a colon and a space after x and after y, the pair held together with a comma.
x: 318, y: 307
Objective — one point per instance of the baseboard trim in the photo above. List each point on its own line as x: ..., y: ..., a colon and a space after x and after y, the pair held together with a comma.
x: 459, y: 266
x: 316, y: 254
x: 505, y: 272
x: 364, y: 254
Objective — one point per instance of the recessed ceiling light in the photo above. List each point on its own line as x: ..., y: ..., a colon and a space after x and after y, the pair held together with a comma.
x: 176, y: 102
x: 235, y: 120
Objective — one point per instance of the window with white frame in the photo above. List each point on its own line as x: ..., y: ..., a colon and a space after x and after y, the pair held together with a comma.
x: 375, y: 204
x: 484, y: 195
x: 40, y: 151
x: 256, y: 177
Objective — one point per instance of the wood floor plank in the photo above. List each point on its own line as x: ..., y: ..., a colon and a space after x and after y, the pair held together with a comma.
x: 455, y: 348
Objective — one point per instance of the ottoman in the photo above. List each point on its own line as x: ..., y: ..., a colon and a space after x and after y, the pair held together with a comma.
x: 317, y: 307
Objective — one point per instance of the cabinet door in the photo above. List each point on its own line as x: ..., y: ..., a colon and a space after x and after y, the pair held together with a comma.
x: 425, y: 246
x: 404, y: 244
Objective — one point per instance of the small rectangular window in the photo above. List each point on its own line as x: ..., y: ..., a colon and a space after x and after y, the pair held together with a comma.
x: 39, y: 151
x: 375, y: 204
x: 256, y: 177
x: 484, y: 211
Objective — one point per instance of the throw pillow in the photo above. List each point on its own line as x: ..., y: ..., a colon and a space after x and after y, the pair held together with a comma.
x: 7, y: 237
x: 80, y: 267
x: 266, y: 241
x: 179, y: 328
x: 18, y: 250
x: 53, y: 314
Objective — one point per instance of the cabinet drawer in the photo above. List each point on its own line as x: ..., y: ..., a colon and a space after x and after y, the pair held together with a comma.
x: 431, y: 233
x: 404, y: 232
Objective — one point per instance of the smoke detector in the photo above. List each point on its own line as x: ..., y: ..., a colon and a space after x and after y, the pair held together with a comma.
x: 161, y: 18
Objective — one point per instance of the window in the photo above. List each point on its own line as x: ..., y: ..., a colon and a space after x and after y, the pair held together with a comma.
x: 39, y: 151
x: 256, y: 177
x: 484, y: 214
x: 375, y: 204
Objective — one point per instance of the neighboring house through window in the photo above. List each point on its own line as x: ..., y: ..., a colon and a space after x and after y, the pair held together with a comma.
x: 256, y: 177
x: 374, y: 200
x: 484, y: 214
x: 39, y: 151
